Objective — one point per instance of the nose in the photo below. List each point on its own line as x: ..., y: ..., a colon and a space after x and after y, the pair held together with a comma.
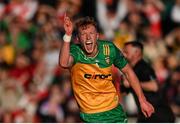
x: 88, y: 36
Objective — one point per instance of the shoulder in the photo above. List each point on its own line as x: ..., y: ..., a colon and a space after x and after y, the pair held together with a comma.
x: 75, y: 49
x: 143, y: 66
x: 105, y: 42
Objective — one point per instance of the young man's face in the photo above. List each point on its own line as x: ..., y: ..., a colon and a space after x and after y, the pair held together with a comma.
x: 129, y: 52
x: 88, y: 38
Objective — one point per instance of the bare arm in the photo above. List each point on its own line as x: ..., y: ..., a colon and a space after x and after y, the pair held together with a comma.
x: 133, y: 81
x: 146, y: 86
x: 150, y: 86
x: 65, y: 59
x: 146, y: 107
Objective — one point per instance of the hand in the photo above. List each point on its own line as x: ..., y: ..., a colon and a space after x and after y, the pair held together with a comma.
x: 146, y: 108
x: 68, y: 26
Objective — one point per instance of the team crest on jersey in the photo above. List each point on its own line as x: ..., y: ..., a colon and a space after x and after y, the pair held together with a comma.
x: 107, y: 59
x: 106, y: 51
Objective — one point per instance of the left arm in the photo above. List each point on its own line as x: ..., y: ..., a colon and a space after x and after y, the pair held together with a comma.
x: 146, y: 107
x: 121, y: 63
x: 151, y: 85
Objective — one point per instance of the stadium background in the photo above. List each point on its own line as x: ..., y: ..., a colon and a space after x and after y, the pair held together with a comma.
x: 32, y: 86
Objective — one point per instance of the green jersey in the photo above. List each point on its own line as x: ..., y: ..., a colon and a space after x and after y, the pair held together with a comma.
x: 92, y: 77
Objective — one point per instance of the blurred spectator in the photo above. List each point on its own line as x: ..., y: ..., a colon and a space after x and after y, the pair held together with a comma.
x: 7, y: 117
x: 28, y: 104
x: 152, y: 9
x: 51, y: 3
x: 123, y: 34
x: 131, y: 28
x: 48, y: 65
x: 23, y: 9
x: 7, y: 51
x: 22, y: 70
x: 166, y: 17
x: 43, y: 14
x: 19, y: 34
x: 173, y: 42
x: 51, y: 110
x: 9, y: 88
x: 171, y: 62
x: 161, y: 70
x: 171, y: 90
x: 89, y: 8
x: 72, y: 111
x: 109, y: 15
x: 175, y: 13
x: 2, y: 9
x: 75, y: 9
x: 157, y: 48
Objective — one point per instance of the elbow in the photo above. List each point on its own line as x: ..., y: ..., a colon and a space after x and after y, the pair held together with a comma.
x: 65, y: 62
x: 63, y: 66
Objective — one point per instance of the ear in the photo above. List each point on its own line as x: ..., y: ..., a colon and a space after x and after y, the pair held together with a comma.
x: 97, y: 37
x: 77, y: 38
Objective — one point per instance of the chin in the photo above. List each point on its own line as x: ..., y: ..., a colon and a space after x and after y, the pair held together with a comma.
x: 89, y: 52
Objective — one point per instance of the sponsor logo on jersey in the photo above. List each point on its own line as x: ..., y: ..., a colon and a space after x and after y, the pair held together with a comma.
x: 96, y: 76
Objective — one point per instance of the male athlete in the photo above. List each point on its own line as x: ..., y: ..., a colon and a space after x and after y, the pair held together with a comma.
x: 90, y: 64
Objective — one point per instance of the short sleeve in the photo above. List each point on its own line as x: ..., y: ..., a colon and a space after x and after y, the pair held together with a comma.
x: 119, y: 60
x: 74, y: 50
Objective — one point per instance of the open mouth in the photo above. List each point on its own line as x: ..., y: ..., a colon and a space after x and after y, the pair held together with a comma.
x: 89, y: 45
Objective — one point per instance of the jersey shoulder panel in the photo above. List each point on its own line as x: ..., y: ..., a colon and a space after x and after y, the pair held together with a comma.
x: 108, y: 47
x: 118, y: 58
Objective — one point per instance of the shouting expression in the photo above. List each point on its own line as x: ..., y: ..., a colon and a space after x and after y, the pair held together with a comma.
x: 88, y: 38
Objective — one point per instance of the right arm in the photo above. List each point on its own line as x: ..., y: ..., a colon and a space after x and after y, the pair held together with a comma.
x: 65, y: 59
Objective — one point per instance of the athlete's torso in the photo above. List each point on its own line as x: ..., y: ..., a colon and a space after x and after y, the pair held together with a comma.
x: 92, y: 78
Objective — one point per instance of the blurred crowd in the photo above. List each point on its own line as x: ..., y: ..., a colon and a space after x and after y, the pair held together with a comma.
x: 33, y: 88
